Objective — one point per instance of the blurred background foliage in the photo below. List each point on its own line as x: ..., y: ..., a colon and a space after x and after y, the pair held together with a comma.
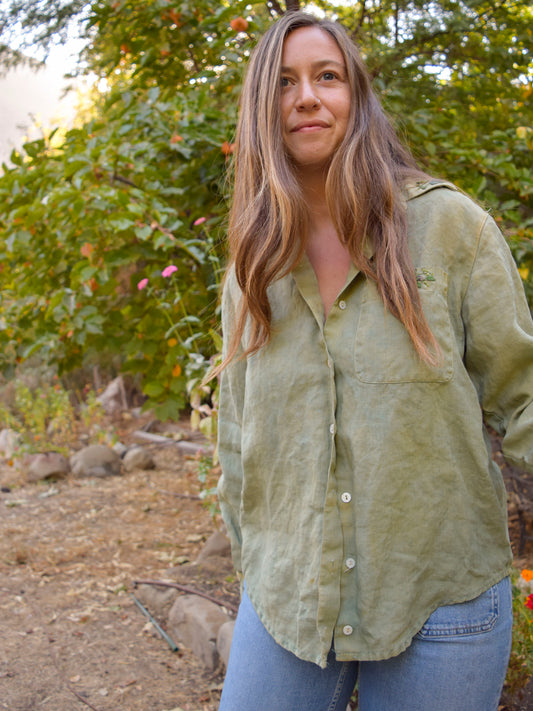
x: 93, y: 217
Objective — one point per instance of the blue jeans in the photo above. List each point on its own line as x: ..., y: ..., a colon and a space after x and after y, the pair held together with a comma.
x: 456, y: 662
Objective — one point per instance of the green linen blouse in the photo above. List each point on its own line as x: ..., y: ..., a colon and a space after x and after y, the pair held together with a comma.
x: 357, y: 484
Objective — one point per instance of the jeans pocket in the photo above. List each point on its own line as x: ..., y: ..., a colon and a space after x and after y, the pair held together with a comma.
x: 465, y: 618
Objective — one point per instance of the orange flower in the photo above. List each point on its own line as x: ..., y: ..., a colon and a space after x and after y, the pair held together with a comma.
x: 227, y: 148
x: 176, y: 370
x: 239, y: 24
x: 86, y: 249
x: 175, y: 138
x: 527, y: 575
x: 175, y: 16
x: 172, y: 342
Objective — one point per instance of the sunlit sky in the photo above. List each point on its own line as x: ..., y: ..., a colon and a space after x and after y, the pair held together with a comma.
x: 30, y: 97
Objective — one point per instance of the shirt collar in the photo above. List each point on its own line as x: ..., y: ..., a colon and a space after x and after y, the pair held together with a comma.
x: 307, y: 284
x: 420, y: 187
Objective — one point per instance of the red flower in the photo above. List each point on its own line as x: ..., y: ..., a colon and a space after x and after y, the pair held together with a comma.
x: 529, y: 601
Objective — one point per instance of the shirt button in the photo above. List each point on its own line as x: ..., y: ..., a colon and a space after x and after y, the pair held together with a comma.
x: 350, y: 563
x: 342, y: 305
x: 347, y: 630
x: 346, y: 497
x: 332, y: 429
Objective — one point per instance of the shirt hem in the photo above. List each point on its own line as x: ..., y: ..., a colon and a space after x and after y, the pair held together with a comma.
x: 406, y: 640
x: 384, y: 653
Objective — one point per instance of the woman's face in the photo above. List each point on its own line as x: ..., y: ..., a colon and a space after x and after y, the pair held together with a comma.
x: 315, y: 96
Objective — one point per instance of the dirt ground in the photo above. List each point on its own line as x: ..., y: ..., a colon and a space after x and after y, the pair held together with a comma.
x: 71, y: 635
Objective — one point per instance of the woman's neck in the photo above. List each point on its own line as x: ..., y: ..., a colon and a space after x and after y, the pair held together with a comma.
x: 313, y: 184
x: 329, y: 258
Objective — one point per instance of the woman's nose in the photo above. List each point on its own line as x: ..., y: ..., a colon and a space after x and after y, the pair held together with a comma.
x: 307, y: 98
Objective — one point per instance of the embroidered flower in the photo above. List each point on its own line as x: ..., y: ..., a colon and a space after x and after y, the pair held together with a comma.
x: 423, y: 277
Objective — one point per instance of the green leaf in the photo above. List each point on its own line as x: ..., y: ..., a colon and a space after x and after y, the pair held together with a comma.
x: 153, y: 389
x: 121, y: 223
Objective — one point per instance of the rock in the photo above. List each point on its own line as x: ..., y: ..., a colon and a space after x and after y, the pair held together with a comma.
x: 216, y: 544
x: 9, y: 442
x: 113, y: 399
x: 158, y: 600
x: 176, y: 432
x: 96, y: 460
x: 46, y: 465
x: 224, y: 636
x: 120, y: 449
x: 192, y: 448
x: 196, y: 622
x: 138, y: 458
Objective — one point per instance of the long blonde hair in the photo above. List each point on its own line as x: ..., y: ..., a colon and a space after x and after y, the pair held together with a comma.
x: 268, y: 217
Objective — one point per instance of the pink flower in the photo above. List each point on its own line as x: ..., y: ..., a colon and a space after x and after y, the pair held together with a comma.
x: 141, y: 285
x: 168, y: 271
x: 199, y: 221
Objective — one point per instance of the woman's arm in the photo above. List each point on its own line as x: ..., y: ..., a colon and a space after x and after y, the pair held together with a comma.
x: 231, y: 403
x: 499, y: 344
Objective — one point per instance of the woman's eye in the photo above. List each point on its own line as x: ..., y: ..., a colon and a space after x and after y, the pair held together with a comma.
x: 284, y: 82
x: 329, y: 76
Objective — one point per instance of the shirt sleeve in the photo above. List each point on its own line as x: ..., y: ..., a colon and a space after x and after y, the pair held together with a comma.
x: 231, y: 402
x: 499, y: 344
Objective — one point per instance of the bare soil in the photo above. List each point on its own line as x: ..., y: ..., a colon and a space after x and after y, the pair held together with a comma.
x: 71, y: 635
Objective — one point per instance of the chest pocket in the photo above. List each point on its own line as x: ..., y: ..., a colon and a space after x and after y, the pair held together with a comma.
x: 384, y: 352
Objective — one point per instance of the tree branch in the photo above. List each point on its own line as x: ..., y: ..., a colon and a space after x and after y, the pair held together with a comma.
x: 293, y: 5
x: 121, y: 179
x: 362, y: 16
x: 405, y: 49
x: 185, y: 589
x: 274, y: 5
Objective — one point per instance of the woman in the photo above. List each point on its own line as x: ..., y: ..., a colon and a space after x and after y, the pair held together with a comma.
x: 368, y: 311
